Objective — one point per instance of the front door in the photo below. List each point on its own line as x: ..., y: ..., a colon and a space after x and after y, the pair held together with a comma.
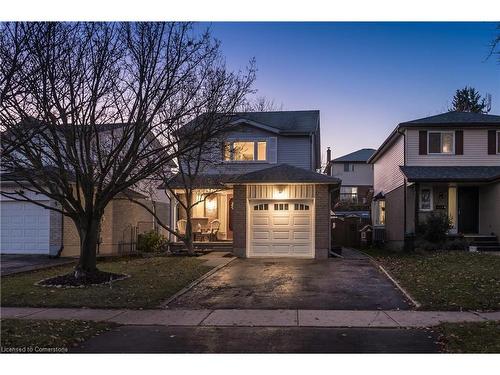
x: 468, y: 210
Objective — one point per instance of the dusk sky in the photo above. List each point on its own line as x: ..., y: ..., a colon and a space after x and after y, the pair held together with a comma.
x: 365, y: 78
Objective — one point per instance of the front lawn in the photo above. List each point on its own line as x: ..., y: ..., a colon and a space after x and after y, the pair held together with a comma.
x: 42, y: 336
x: 470, y: 337
x: 454, y: 280
x: 152, y: 281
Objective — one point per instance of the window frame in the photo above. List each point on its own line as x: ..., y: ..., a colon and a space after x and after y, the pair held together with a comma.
x: 441, y: 132
x: 350, y: 167
x: 255, y: 142
x: 498, y: 142
x: 431, y: 201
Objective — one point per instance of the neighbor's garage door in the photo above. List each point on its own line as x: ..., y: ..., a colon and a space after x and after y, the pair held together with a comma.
x: 281, y: 229
x: 24, y: 228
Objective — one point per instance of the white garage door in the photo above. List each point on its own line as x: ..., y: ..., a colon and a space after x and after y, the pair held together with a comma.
x: 24, y: 228
x: 281, y: 229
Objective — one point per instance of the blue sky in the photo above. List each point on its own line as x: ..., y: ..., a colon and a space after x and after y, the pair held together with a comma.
x: 363, y: 77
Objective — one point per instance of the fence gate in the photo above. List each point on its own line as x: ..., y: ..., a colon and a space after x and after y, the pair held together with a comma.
x: 346, y: 231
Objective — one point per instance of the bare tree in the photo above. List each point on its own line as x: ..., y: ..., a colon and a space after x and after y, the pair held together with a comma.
x: 88, y: 110
x: 495, y: 45
x: 261, y: 104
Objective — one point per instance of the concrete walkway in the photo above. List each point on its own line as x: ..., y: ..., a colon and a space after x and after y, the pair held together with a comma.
x: 256, y: 318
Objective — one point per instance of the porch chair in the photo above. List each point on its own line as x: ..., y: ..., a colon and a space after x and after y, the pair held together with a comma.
x: 214, y: 229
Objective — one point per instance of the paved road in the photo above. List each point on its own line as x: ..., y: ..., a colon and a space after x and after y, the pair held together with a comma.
x: 11, y: 264
x: 160, y: 339
x: 333, y: 284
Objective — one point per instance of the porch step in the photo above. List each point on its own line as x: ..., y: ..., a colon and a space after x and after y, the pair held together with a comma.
x: 492, y: 247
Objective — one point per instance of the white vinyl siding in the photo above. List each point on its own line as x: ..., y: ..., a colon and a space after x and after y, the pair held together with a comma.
x: 475, y: 151
x: 362, y: 175
x: 387, y: 175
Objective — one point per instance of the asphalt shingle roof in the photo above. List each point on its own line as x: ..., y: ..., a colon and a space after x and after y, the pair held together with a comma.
x: 357, y: 156
x: 451, y: 174
x: 201, y: 181
x: 449, y: 118
x: 285, y: 121
x: 284, y: 173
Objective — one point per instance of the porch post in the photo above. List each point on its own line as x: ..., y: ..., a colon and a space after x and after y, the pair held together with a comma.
x: 453, y: 209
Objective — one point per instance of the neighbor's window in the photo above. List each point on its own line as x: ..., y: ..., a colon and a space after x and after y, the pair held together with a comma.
x: 380, y: 212
x: 441, y: 142
x: 348, y: 167
x: 425, y: 199
x: 349, y: 193
x: 245, y: 151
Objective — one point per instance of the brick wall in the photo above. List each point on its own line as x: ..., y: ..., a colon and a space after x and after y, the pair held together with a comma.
x: 322, y: 221
x: 239, y: 220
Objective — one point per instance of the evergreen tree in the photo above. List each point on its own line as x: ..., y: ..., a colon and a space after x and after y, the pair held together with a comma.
x: 468, y: 99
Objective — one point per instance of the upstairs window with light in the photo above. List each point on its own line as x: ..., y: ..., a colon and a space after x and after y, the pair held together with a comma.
x: 441, y: 142
x: 245, y: 151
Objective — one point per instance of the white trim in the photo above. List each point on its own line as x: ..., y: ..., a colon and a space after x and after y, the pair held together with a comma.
x: 441, y: 132
x: 256, y: 124
x: 431, y: 198
x: 498, y: 142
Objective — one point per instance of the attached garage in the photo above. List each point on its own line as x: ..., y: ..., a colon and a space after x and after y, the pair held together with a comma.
x: 25, y: 228
x: 282, y: 211
x: 281, y: 229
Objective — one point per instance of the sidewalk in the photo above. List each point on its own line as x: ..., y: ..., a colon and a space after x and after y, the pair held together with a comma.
x: 255, y: 318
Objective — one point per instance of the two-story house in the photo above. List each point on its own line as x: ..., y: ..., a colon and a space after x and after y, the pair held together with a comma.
x: 274, y: 202
x: 447, y: 163
x: 356, y: 175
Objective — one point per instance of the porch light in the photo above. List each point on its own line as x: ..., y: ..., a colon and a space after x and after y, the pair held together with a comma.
x: 280, y: 192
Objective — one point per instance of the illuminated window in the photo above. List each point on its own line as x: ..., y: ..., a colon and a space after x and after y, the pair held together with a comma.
x: 380, y: 212
x: 245, y: 151
x: 261, y: 151
x: 441, y: 142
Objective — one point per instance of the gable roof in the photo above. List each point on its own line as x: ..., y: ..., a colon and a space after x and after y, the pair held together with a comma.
x: 447, y: 119
x: 453, y: 118
x: 285, y: 173
x: 357, y: 156
x: 291, y: 122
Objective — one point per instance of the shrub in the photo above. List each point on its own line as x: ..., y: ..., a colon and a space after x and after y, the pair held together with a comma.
x: 456, y: 244
x: 434, y: 228
x: 150, y: 242
x: 422, y: 245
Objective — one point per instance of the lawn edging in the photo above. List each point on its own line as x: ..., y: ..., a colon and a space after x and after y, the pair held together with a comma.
x: 393, y: 280
x: 164, y: 305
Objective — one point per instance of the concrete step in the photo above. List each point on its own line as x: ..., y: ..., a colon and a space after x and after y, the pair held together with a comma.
x: 489, y: 248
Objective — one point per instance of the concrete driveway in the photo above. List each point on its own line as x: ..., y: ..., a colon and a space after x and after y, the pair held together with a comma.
x: 12, y: 263
x: 333, y: 284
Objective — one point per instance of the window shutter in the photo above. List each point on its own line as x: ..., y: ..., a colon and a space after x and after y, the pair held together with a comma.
x: 459, y: 142
x: 272, y: 150
x: 422, y: 142
x: 492, y: 147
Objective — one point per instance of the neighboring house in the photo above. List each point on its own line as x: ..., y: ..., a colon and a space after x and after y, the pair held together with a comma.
x: 356, y: 175
x: 27, y: 228
x: 448, y: 163
x: 274, y: 203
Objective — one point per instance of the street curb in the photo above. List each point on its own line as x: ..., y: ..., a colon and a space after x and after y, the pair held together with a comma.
x: 164, y: 305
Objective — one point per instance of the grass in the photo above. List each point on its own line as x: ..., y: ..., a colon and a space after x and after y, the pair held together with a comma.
x: 25, y: 336
x: 152, y: 281
x: 452, y: 280
x: 481, y: 337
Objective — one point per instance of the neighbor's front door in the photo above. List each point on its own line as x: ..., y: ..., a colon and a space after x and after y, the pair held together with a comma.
x: 468, y: 210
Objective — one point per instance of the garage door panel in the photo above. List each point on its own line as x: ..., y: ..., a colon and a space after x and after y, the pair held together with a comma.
x: 281, y: 232
x: 25, y: 228
x: 281, y: 220
x: 261, y: 220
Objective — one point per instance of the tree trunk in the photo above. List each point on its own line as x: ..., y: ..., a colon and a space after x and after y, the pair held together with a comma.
x: 188, y: 237
x: 89, y: 236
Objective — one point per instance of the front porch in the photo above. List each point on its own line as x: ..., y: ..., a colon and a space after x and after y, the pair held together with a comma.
x: 469, y: 196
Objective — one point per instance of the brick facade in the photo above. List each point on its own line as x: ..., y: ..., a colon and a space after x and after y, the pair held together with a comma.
x: 240, y: 220
x: 322, y: 221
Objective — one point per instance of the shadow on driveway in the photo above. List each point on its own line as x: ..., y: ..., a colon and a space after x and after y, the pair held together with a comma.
x: 333, y: 284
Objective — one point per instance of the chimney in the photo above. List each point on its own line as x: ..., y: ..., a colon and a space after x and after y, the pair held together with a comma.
x: 328, y: 154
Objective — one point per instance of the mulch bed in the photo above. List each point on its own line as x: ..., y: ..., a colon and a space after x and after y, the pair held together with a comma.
x: 69, y: 280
